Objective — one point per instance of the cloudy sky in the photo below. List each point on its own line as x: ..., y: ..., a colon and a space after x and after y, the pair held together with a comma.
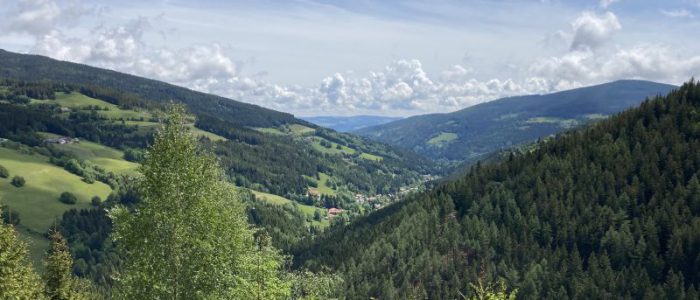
x: 399, y: 58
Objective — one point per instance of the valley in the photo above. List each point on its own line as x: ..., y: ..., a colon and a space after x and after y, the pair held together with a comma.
x: 521, y: 192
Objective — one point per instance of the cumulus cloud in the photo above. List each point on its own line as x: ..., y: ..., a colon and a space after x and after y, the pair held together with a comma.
x: 652, y: 62
x: 401, y: 87
x: 39, y: 17
x: 592, y: 30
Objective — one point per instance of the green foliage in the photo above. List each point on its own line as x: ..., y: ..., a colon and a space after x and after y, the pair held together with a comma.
x: 96, y: 201
x: 18, y: 181
x: 60, y: 281
x: 58, y: 277
x: 4, y: 173
x: 17, y: 278
x: 315, y: 286
x: 199, y: 245
x: 9, y: 216
x: 483, y: 291
x: 608, y: 211
x: 68, y: 198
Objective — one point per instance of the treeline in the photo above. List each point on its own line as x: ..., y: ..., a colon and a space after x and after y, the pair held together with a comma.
x: 606, y: 212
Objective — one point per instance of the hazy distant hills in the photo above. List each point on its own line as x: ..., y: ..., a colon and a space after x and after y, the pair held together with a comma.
x: 473, y: 132
x: 346, y: 124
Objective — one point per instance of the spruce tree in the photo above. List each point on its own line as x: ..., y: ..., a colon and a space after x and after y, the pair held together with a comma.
x: 17, y: 278
x: 60, y: 284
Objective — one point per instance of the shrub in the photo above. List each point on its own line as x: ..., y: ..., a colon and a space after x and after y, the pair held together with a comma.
x: 68, y: 198
x: 4, y: 173
x: 18, y: 181
x: 89, y: 178
x: 9, y: 216
x: 96, y: 201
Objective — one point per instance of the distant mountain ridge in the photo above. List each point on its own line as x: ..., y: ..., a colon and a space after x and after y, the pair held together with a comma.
x: 350, y: 123
x: 37, y: 67
x: 474, y: 132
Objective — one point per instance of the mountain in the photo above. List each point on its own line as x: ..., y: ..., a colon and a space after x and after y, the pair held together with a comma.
x: 40, y: 68
x: 347, y: 124
x: 607, y: 211
x: 71, y: 128
x: 471, y: 133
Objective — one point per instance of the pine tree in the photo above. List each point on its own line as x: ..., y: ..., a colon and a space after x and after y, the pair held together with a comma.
x: 188, y: 238
x: 17, y: 278
x: 60, y: 283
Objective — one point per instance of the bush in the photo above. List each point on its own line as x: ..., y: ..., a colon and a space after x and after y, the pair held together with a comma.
x: 4, y: 173
x: 9, y: 216
x: 68, y: 198
x: 89, y: 178
x: 96, y: 201
x: 18, y: 181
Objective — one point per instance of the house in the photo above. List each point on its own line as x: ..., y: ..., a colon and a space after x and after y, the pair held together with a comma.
x: 332, y: 212
x: 62, y: 140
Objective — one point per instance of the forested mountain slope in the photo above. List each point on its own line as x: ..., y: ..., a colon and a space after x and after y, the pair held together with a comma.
x: 610, y: 211
x: 272, y: 150
x: 40, y: 68
x: 474, y: 132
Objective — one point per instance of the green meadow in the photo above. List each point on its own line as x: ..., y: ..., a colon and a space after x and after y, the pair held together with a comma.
x: 37, y: 201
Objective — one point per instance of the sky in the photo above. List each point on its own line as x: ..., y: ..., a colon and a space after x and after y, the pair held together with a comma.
x: 393, y: 58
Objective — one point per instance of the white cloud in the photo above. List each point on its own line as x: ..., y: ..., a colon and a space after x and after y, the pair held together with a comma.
x: 592, y: 30
x: 606, y: 3
x: 678, y: 13
x: 586, y: 55
x: 40, y: 17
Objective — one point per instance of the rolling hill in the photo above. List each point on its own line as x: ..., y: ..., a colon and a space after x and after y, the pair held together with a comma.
x: 280, y: 159
x: 348, y: 124
x: 474, y: 132
x: 607, y: 211
x: 256, y: 139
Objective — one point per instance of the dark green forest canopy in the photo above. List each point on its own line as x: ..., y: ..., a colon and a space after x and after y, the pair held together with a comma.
x: 606, y: 212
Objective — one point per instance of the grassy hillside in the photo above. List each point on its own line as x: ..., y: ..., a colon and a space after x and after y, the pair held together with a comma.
x: 473, y: 133
x: 108, y: 158
x: 37, y: 201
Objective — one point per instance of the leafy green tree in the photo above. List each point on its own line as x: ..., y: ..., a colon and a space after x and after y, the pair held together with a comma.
x: 17, y: 278
x: 9, y: 216
x: 484, y: 291
x: 68, y: 198
x: 315, y: 286
x: 4, y: 173
x: 198, y: 244
x: 96, y: 201
x: 18, y: 181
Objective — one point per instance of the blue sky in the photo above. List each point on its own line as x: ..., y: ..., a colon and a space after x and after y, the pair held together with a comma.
x: 366, y: 57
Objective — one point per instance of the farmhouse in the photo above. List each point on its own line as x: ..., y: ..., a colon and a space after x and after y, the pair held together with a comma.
x: 332, y: 212
x: 62, y: 140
